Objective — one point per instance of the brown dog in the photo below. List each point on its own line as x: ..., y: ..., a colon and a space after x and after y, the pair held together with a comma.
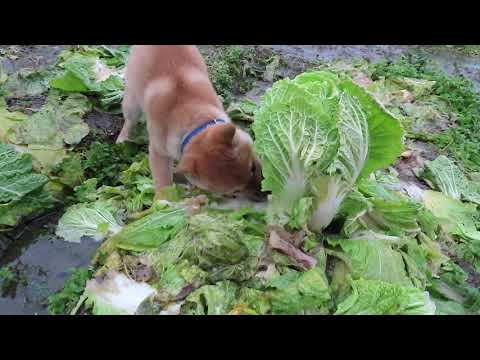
x: 170, y: 85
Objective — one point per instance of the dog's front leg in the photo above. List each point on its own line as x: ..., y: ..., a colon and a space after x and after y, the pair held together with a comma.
x: 161, y: 167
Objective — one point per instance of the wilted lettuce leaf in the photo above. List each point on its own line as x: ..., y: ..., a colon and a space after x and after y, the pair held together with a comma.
x: 150, y: 231
x: 373, y: 259
x: 418, y: 87
x: 373, y: 297
x: 87, y: 73
x: 17, y: 178
x: 9, y: 120
x: 113, y: 56
x: 69, y: 171
x: 28, y: 82
x: 174, y: 278
x: 31, y: 204
x: 445, y: 307
x: 428, y: 115
x: 385, y: 212
x: 86, y: 191
x: 395, y: 217
x: 445, y: 176
x: 253, y: 299
x: 242, y: 111
x: 378, y: 189
x: 451, y: 288
x: 215, y: 243
x: 215, y: 299
x: 45, y: 157
x: 300, y: 293
x: 96, y: 220
x: 57, y: 123
x: 458, y: 220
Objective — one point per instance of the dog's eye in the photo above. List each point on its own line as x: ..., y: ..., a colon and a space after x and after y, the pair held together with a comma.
x: 252, y: 169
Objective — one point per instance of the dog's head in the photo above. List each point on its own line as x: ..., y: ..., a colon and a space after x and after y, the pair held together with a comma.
x: 221, y: 160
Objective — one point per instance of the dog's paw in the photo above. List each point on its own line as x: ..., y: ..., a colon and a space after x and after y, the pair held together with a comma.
x: 121, y: 139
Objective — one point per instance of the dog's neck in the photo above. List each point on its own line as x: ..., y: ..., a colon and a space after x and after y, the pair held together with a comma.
x: 196, y: 131
x: 174, y: 143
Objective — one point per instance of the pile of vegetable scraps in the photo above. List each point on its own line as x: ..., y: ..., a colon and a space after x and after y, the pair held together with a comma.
x: 357, y: 223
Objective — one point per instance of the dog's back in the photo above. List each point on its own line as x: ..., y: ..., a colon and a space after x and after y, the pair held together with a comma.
x: 178, y: 71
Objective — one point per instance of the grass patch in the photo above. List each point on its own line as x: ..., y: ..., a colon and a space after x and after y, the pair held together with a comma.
x: 65, y: 300
x: 462, y: 142
x: 234, y: 69
x: 8, y: 279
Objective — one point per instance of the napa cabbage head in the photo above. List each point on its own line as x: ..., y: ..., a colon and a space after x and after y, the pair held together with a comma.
x: 316, y: 136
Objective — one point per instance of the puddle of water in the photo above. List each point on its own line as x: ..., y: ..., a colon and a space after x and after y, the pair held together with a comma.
x: 41, y: 263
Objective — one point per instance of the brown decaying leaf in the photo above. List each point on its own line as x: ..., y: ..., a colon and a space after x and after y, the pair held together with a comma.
x: 276, y: 241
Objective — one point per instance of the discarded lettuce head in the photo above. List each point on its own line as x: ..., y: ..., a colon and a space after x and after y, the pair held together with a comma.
x: 214, y: 242
x: 316, y: 135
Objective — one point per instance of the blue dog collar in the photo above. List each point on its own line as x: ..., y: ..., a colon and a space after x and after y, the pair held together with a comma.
x: 198, y: 130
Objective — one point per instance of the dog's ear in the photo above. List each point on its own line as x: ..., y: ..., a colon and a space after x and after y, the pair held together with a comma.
x: 223, y: 134
x: 187, y: 166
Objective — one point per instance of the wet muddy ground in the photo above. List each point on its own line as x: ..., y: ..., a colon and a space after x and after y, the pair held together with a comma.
x: 41, y: 262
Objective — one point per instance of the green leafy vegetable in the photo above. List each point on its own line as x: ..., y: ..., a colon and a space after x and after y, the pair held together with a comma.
x: 300, y: 293
x: 89, y: 74
x: 59, y: 121
x: 65, y: 300
x: 16, y: 176
x: 211, y: 299
x: 96, y: 220
x: 445, y: 176
x: 374, y: 259
x: 150, y: 231
x: 28, y: 82
x: 371, y: 297
x: 316, y: 135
